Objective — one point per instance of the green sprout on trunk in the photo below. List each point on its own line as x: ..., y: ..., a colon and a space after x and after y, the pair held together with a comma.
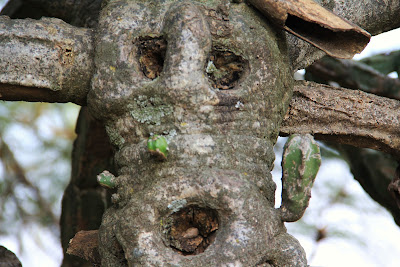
x: 158, y: 146
x: 106, y: 179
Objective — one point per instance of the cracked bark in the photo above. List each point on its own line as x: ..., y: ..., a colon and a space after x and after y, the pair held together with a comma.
x: 374, y: 170
x: 344, y: 116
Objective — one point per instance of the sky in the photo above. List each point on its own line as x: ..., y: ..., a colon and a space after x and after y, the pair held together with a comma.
x: 381, y: 247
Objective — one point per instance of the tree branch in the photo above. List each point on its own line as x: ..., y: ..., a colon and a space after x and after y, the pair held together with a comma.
x: 371, y: 15
x: 344, y: 116
x: 354, y: 75
x: 374, y: 171
x: 47, y: 57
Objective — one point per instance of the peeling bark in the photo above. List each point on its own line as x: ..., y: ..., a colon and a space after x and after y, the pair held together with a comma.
x: 344, y: 116
x: 47, y: 57
x: 85, y: 244
x: 311, y: 22
x: 371, y: 15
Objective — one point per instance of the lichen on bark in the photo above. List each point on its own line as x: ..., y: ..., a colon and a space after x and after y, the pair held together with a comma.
x: 211, y: 166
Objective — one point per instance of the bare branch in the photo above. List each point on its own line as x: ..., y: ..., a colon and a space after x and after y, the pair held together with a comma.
x: 47, y: 57
x: 344, y: 116
x: 12, y: 165
x: 354, y: 75
x: 371, y: 15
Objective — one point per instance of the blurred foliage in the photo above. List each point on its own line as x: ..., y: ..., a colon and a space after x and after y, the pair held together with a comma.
x: 35, y: 153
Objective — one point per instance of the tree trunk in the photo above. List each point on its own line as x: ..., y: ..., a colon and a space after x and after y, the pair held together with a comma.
x: 213, y: 196
x: 213, y: 80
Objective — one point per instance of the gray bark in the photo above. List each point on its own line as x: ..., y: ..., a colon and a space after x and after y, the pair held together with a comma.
x: 215, y: 186
x: 47, y: 60
x: 374, y: 171
x: 213, y: 170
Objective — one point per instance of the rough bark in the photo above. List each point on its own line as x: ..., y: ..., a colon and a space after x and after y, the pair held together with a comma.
x: 85, y: 244
x: 167, y: 211
x: 46, y: 60
x: 84, y: 201
x: 8, y: 258
x: 158, y: 70
x: 371, y: 15
x: 344, y: 116
x: 374, y: 170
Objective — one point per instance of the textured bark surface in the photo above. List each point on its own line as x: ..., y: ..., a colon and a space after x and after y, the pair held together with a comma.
x: 49, y: 57
x: 8, y: 258
x: 374, y: 170
x: 216, y: 86
x: 85, y: 244
x: 344, y: 116
x: 371, y: 15
x: 84, y: 201
x: 311, y: 22
x: 212, y: 168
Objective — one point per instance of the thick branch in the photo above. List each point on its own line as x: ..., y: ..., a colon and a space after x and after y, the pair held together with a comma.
x: 344, y: 116
x: 48, y: 57
x: 371, y: 15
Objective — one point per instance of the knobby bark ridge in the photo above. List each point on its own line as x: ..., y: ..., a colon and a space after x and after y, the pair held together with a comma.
x: 215, y: 80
